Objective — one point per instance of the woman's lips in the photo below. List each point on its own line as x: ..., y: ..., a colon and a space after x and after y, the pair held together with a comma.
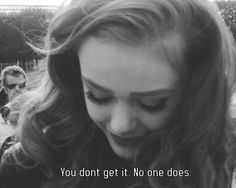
x: 129, y: 141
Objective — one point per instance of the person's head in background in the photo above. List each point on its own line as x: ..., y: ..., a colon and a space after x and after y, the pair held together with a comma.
x: 13, y: 80
x: 154, y: 76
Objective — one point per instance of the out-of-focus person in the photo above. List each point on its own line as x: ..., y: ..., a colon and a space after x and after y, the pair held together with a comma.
x: 13, y: 83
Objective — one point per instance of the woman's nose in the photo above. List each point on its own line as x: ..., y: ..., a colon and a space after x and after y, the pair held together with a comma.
x: 123, y: 121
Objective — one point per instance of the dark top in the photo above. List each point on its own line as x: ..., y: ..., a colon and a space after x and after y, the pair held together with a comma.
x: 12, y: 176
x: 3, y: 97
x: 17, y: 177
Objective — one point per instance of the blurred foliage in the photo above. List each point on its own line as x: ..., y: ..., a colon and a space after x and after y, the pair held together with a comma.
x: 228, y: 12
x: 31, y: 25
x: 17, y: 28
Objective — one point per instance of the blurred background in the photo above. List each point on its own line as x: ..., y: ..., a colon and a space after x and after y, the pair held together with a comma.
x: 23, y: 21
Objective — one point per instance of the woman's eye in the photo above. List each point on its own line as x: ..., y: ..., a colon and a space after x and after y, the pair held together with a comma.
x: 98, y: 100
x: 157, y: 107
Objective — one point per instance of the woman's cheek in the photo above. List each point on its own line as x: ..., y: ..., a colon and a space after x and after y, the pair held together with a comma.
x: 155, y: 121
x: 98, y: 113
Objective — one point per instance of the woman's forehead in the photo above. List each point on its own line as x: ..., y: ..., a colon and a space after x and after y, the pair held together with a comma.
x: 125, y: 68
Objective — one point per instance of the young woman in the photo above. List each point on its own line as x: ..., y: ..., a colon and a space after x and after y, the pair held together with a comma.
x: 136, y: 86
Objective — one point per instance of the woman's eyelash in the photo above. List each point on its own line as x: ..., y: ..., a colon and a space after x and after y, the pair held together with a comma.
x: 155, y: 108
x: 94, y: 99
x: 105, y: 100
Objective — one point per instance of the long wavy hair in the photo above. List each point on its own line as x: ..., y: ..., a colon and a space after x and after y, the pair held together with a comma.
x: 56, y: 131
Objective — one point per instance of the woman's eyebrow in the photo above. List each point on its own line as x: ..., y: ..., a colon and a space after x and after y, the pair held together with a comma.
x: 153, y: 93
x: 165, y: 91
x: 95, y: 85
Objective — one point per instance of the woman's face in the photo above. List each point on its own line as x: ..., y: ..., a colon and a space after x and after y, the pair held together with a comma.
x: 129, y: 91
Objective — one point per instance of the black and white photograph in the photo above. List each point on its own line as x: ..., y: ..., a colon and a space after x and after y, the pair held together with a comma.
x: 117, y: 94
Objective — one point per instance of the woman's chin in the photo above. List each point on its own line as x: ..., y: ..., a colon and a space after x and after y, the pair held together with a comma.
x: 121, y: 151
